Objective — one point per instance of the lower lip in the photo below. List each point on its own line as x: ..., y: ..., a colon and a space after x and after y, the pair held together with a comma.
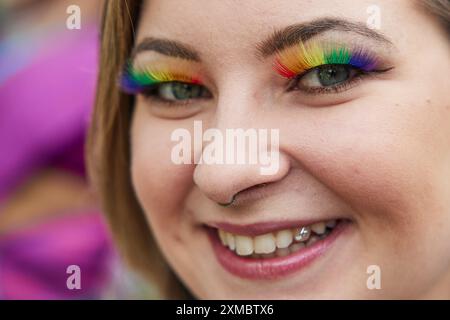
x: 271, y: 268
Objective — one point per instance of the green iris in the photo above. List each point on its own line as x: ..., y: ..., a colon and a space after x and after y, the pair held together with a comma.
x: 181, y: 91
x: 330, y: 75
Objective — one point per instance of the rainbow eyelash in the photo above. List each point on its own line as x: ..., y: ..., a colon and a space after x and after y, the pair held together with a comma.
x: 136, y: 80
x: 298, y: 59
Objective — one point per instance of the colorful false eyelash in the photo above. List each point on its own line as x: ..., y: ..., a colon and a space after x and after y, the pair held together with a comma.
x: 300, y: 58
x: 135, y: 80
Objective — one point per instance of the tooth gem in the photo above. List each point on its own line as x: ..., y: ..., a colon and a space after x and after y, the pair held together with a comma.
x: 303, y: 234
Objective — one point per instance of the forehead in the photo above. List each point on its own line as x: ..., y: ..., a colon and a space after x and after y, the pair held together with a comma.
x: 226, y: 33
x: 232, y: 22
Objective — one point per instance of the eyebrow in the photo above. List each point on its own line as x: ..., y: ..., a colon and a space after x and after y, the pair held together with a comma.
x: 166, y: 47
x: 278, y: 41
x: 302, y: 32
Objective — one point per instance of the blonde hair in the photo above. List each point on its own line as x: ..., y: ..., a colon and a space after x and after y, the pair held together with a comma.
x: 440, y: 9
x: 108, y: 147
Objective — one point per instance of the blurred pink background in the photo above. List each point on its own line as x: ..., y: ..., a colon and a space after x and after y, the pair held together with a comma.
x: 49, y: 218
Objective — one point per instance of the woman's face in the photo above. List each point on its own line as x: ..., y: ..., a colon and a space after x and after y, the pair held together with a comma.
x: 364, y: 141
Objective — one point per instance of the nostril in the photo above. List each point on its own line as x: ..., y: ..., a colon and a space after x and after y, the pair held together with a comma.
x: 245, y: 191
x: 257, y: 186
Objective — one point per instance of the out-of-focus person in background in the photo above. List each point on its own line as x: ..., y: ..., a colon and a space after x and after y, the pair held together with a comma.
x: 49, y: 219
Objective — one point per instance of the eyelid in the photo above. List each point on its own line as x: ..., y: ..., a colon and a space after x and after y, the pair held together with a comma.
x: 301, y: 58
x: 136, y: 78
x: 152, y: 96
x: 296, y: 81
x: 340, y: 87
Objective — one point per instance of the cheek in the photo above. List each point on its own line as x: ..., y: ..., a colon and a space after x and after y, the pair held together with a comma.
x: 160, y: 184
x: 388, y: 158
x: 384, y: 156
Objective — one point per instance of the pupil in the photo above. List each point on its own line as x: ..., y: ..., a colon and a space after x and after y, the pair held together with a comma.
x: 331, y: 75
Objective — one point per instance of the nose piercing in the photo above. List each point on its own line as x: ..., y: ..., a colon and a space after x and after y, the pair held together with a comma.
x: 303, y: 234
x: 229, y: 203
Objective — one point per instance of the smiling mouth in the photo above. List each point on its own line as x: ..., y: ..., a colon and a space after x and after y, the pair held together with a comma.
x: 271, y: 250
x: 277, y: 244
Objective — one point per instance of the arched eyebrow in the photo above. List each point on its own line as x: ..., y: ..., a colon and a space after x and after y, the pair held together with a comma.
x: 166, y: 47
x: 302, y: 32
x: 278, y: 41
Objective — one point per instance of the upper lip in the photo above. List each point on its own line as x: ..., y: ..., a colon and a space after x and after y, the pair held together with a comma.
x: 259, y: 228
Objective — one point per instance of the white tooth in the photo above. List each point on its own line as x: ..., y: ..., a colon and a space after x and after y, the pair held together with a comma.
x: 319, y: 227
x: 331, y: 224
x: 284, y: 238
x: 264, y: 243
x: 296, y: 246
x: 223, y: 237
x: 312, y: 240
x: 282, y: 252
x: 230, y: 241
x: 244, y: 245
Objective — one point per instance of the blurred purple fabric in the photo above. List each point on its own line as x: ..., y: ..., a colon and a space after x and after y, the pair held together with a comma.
x: 44, y: 112
x: 34, y: 260
x: 44, y: 108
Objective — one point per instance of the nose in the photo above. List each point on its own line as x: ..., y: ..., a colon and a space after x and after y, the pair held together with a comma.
x: 221, y: 182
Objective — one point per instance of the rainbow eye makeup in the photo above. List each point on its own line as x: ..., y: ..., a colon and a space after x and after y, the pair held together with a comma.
x: 135, y: 80
x: 299, y: 59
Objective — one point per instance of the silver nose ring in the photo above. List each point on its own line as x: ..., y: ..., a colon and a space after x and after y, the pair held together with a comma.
x: 228, y: 203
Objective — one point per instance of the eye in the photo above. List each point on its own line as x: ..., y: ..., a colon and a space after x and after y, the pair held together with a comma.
x: 326, y: 77
x: 178, y: 91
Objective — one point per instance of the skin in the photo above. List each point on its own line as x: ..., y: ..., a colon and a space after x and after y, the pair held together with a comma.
x: 377, y: 154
